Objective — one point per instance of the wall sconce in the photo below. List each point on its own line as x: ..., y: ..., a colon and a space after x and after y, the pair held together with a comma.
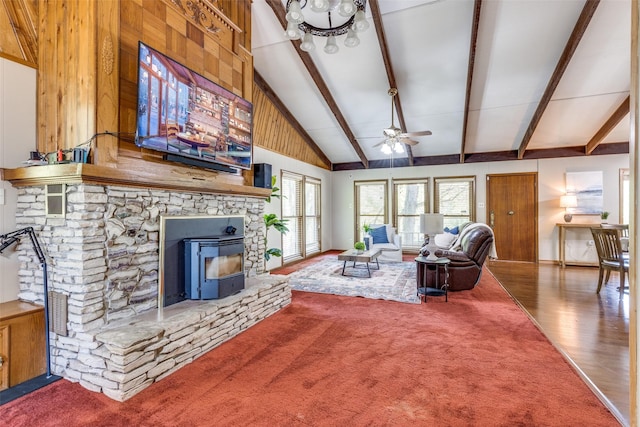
x: 568, y: 201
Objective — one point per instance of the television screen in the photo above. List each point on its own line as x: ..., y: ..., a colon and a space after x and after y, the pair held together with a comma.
x: 182, y: 113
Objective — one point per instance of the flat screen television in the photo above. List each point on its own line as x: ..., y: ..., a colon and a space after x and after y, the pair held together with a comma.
x: 190, y: 118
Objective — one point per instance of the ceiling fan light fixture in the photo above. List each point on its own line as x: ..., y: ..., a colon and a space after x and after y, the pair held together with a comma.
x: 292, y: 32
x: 386, y: 149
x: 295, y: 13
x: 398, y: 148
x: 347, y: 8
x: 360, y: 22
x: 307, y: 44
x: 331, y: 47
x: 352, y: 39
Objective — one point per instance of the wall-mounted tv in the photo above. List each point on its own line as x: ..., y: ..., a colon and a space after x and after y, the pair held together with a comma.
x: 190, y: 118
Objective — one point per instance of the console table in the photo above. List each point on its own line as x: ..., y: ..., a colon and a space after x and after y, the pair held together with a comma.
x: 562, y: 228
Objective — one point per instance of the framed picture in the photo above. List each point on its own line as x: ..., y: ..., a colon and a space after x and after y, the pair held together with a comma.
x: 587, y: 186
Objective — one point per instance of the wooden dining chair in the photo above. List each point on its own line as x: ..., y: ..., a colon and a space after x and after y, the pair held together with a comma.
x: 610, y: 255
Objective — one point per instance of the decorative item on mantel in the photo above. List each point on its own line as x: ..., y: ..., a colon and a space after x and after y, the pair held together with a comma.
x: 604, y: 216
x: 568, y: 201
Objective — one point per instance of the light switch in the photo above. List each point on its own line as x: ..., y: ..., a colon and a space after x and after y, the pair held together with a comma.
x: 480, y: 205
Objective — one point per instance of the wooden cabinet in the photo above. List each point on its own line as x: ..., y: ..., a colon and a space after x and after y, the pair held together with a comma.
x: 22, y: 342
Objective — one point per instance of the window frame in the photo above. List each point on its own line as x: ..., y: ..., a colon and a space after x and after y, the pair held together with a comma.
x: 471, y: 179
x: 301, y: 216
x: 624, y: 197
x: 358, y: 233
x: 426, y: 182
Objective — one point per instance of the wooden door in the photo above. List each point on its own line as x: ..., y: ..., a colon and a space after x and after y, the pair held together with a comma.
x: 512, y: 212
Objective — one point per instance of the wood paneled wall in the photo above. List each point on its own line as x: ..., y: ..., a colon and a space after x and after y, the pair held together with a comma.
x: 199, y: 39
x: 66, y: 74
x: 86, y: 52
x: 87, y: 59
x: 273, y: 132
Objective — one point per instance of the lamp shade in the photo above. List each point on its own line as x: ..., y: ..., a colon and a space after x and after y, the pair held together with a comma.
x: 568, y: 201
x: 431, y: 224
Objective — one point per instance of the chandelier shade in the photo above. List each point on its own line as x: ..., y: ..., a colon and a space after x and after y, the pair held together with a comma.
x: 325, y: 18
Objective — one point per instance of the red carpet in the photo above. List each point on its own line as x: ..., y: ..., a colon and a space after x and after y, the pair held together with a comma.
x: 327, y: 360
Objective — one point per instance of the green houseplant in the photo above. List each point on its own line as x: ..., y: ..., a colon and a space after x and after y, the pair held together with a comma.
x: 359, y: 246
x: 272, y: 221
x: 604, y: 215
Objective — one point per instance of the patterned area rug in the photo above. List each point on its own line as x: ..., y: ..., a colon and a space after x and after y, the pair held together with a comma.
x: 394, y: 281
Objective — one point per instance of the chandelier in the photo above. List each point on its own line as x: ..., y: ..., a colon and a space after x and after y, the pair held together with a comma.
x: 349, y: 19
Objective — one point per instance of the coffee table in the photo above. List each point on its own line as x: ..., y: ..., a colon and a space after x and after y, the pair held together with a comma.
x: 359, y: 256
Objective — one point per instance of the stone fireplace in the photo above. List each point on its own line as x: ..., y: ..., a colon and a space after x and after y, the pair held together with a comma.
x: 202, y: 257
x: 104, y: 259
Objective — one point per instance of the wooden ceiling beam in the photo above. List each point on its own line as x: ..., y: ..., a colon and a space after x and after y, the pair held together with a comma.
x: 277, y: 102
x: 386, y: 57
x: 579, y: 29
x: 279, y: 11
x: 24, y: 20
x: 616, y: 117
x: 472, y: 60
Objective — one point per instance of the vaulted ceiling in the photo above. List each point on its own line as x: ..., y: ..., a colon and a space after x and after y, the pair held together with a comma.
x: 491, y: 79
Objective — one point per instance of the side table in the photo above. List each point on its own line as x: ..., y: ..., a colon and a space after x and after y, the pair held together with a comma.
x: 437, y: 289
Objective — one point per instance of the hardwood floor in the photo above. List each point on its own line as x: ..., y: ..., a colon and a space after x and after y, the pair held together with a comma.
x: 591, y: 330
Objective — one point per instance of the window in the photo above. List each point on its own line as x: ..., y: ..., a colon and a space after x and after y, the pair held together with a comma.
x: 301, y: 208
x: 371, y: 205
x: 625, y: 194
x: 410, y: 199
x: 312, y: 216
x: 292, y: 212
x: 455, y: 199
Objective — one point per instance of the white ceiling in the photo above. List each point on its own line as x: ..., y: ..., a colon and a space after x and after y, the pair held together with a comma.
x: 518, y: 47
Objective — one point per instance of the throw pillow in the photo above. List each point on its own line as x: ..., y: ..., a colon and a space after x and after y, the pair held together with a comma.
x: 454, y: 230
x: 445, y: 240
x: 379, y: 235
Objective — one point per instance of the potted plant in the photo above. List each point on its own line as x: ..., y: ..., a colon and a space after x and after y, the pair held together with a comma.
x: 359, y: 246
x: 603, y: 216
x: 366, y: 228
x: 272, y: 220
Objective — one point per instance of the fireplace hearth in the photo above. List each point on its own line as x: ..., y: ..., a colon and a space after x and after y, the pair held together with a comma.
x: 213, y: 267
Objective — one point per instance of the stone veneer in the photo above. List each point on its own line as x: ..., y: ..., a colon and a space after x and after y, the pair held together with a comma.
x: 103, y: 255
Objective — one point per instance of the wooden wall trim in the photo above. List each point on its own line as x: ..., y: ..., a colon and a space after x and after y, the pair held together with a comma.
x: 173, y: 178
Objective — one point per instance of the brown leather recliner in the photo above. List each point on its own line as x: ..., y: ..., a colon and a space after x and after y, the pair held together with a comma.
x: 466, y: 263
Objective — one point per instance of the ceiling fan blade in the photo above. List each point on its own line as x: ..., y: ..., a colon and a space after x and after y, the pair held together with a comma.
x: 408, y: 141
x: 419, y: 133
x: 380, y: 143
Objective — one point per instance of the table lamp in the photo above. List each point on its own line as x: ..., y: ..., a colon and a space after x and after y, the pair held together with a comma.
x: 568, y: 201
x: 430, y: 225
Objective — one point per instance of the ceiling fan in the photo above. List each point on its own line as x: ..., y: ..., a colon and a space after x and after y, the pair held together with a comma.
x: 394, y: 136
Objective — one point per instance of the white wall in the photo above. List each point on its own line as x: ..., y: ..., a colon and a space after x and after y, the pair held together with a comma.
x: 279, y: 163
x: 17, y: 138
x: 551, y: 184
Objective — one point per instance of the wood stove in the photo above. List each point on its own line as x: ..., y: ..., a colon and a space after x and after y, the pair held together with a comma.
x: 213, y: 267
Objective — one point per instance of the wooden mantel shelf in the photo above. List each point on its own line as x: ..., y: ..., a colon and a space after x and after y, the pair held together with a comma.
x: 167, y: 178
